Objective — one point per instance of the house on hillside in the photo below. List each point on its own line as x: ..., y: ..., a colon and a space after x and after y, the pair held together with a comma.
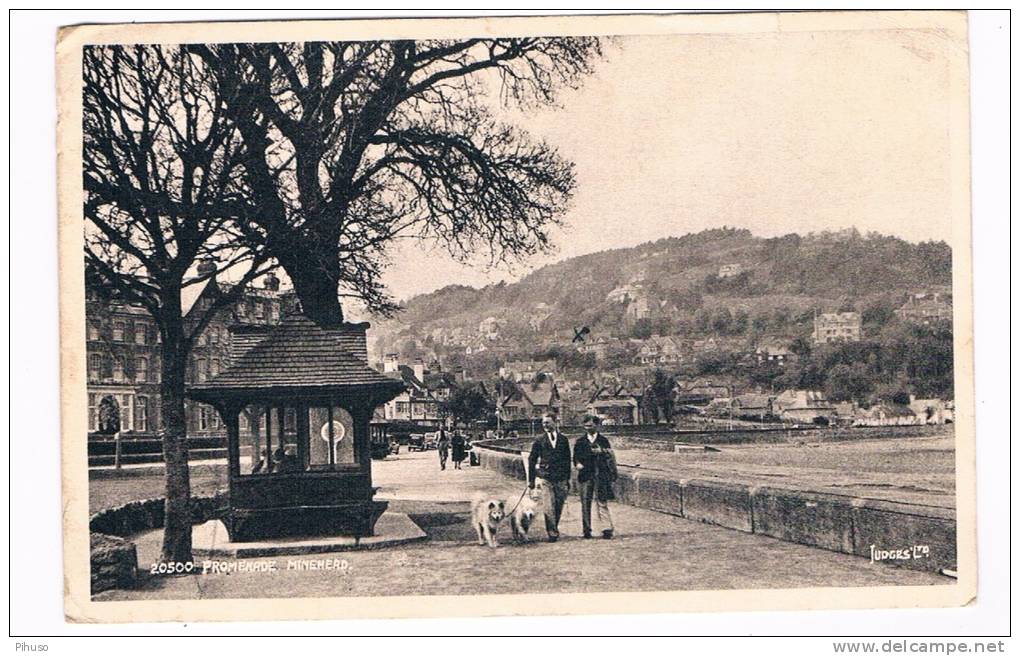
x: 926, y: 308
x: 616, y: 405
x: 803, y: 406
x: 753, y: 407
x: 702, y: 391
x: 529, y: 400
x: 837, y: 327
x: 489, y: 328
x: 526, y: 370
x: 475, y: 348
x: 773, y: 352
x: 640, y: 307
x: 705, y: 345
x: 599, y: 346
x: 539, y: 315
x: 730, y: 270
x: 624, y: 293
x: 660, y: 350
x: 887, y: 414
x: 932, y: 411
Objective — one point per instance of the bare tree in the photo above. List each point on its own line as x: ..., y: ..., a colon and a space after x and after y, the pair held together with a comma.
x: 161, y: 180
x: 350, y: 145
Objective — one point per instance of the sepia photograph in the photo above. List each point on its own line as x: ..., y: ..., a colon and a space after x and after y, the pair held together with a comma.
x: 425, y: 317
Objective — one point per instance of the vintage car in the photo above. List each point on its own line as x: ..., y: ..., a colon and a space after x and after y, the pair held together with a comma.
x: 421, y: 441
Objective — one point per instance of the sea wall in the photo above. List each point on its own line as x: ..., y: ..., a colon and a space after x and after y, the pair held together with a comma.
x: 900, y: 534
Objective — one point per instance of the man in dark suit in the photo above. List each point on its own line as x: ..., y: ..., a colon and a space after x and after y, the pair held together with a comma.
x: 596, y: 471
x: 549, y: 471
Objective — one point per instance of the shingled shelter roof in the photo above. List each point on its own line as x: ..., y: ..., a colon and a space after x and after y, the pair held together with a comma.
x: 299, y: 357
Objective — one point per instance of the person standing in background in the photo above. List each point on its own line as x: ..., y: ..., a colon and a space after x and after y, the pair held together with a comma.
x: 443, y: 446
x: 458, y: 448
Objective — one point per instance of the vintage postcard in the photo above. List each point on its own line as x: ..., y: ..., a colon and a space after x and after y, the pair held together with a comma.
x: 495, y: 316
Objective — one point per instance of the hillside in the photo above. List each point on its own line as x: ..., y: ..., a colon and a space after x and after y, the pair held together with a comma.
x: 680, y: 285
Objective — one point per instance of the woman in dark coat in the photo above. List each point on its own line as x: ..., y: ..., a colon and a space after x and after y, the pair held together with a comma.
x: 458, y: 449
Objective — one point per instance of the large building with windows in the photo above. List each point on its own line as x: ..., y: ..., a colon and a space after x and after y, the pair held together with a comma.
x: 124, y: 354
x: 837, y: 327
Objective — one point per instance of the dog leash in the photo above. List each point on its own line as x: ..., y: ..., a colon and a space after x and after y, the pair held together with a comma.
x: 512, y: 510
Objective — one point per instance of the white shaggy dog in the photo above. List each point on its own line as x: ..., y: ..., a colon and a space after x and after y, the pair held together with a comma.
x: 522, y: 517
x: 486, y: 514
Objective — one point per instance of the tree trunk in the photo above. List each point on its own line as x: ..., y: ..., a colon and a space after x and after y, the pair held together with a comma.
x: 177, y: 525
x: 316, y: 285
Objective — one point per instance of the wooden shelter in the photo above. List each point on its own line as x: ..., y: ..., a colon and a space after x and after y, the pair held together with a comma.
x: 305, y: 396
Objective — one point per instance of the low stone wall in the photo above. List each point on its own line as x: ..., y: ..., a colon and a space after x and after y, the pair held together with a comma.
x: 114, y: 560
x: 138, y: 516
x: 850, y: 525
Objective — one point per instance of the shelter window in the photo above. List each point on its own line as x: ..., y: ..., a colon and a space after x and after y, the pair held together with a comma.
x: 280, y: 440
x: 331, y: 434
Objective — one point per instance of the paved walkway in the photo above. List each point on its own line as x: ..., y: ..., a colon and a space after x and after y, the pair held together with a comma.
x: 653, y: 551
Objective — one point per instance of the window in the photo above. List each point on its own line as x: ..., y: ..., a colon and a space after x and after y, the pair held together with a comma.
x: 260, y: 312
x: 141, y: 370
x: 274, y: 311
x: 93, y: 418
x: 93, y: 332
x: 118, y: 370
x: 141, y: 333
x: 208, y: 418
x: 155, y: 373
x: 200, y: 370
x: 242, y: 309
x: 118, y: 331
x: 95, y: 367
x: 214, y: 367
x: 141, y: 413
x: 126, y: 402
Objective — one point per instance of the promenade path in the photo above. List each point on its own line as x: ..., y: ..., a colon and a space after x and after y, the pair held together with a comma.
x: 652, y: 551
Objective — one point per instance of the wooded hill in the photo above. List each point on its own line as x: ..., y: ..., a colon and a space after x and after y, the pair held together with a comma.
x: 790, y: 276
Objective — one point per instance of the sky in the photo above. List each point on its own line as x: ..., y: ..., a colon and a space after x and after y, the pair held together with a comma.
x: 775, y: 132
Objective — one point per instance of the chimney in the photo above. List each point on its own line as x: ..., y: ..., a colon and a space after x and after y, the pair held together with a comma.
x: 271, y: 282
x: 390, y: 363
x: 419, y: 369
